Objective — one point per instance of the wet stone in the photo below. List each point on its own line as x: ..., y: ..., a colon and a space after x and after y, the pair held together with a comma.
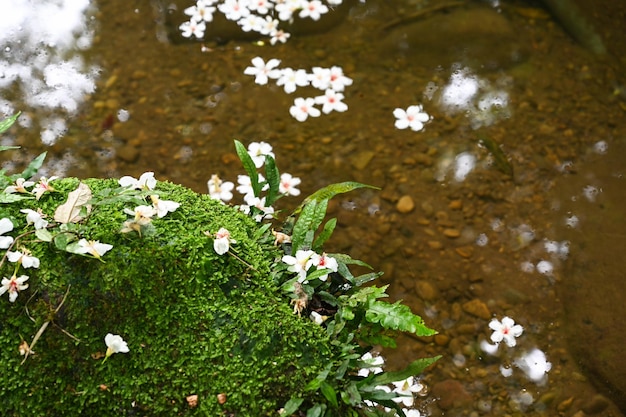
x: 596, y: 405
x: 451, y: 394
x: 405, y: 204
x: 452, y: 233
x: 362, y: 159
x: 477, y: 308
x: 425, y: 290
x: 128, y: 153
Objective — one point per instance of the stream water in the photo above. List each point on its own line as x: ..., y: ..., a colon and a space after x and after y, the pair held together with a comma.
x: 508, y: 203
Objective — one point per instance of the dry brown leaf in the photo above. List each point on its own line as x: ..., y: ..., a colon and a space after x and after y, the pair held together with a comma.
x: 69, y: 212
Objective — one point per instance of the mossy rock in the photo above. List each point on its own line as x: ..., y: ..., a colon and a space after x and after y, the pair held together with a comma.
x: 196, y: 323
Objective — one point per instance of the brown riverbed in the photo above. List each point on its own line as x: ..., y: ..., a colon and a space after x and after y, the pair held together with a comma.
x: 456, y: 256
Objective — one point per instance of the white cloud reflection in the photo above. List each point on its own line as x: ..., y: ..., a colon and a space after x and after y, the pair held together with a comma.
x: 40, y: 44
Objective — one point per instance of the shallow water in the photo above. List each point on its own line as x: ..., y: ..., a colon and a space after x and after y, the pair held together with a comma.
x: 477, y: 239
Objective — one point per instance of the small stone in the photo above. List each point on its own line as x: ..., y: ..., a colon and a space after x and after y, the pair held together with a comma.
x: 465, y: 251
x: 477, y: 308
x: 405, y: 204
x: 435, y: 244
x: 451, y: 394
x: 596, y: 405
x: 441, y: 339
x: 452, y: 233
x: 128, y: 153
x: 455, y: 205
x: 425, y: 290
x: 362, y: 159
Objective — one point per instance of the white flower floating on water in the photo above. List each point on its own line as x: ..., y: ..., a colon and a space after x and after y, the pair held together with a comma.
x: 535, y: 365
x: 505, y: 330
x: 331, y: 81
x: 13, y: 286
x: 413, y: 117
x: 115, y: 344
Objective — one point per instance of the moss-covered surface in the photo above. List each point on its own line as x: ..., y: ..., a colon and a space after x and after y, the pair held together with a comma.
x: 195, y: 322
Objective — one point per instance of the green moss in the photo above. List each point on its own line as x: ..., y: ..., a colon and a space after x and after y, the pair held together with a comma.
x: 195, y: 322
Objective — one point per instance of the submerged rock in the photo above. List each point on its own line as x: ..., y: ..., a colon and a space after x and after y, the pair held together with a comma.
x: 479, y: 37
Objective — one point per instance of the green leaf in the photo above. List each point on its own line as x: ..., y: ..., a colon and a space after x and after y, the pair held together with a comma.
x: 324, y: 235
x: 32, y: 168
x: 248, y: 165
x: 8, y: 122
x: 329, y: 393
x: 8, y: 148
x: 332, y: 190
x: 315, y: 384
x: 302, y: 226
x: 273, y: 179
x: 346, y: 259
x: 397, y: 317
x: 365, y: 278
x: 351, y: 394
x: 415, y: 368
x: 316, y: 411
x: 12, y: 197
x: 43, y: 235
x: 291, y: 406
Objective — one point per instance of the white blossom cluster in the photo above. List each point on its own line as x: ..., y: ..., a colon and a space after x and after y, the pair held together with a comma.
x: 261, y: 16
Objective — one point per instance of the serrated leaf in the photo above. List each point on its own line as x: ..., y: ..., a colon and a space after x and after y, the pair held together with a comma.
x: 70, y: 211
x: 396, y: 316
x: 249, y: 166
x: 8, y: 122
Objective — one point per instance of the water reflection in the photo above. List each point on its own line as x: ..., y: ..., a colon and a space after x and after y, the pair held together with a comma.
x: 42, y: 44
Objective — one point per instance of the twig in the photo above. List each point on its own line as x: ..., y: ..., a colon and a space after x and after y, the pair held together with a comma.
x: 420, y: 14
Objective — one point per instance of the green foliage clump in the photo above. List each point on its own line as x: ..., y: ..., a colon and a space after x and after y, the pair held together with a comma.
x: 196, y: 323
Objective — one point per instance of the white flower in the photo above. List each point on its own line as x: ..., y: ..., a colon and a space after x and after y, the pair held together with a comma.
x: 23, y: 258
x: 115, y: 344
x: 13, y: 286
x: 406, y: 389
x: 291, y: 79
x: 331, y: 100
x: 262, y: 71
x: 259, y: 203
x: 288, y: 184
x: 488, y: 348
x: 163, y: 207
x: 286, y: 9
x: 200, y: 12
x: 5, y: 226
x: 245, y: 186
x: 220, y: 190
x: 279, y: 36
x: 93, y: 247
x: 534, y: 365
x: 143, y: 214
x: 412, y: 117
x: 320, y: 78
x: 325, y: 262
x: 43, y: 186
x: 260, y: 6
x: 299, y: 263
x: 411, y: 413
x: 19, y: 186
x: 251, y: 22
x: 192, y: 27
x: 317, y: 318
x: 338, y: 81
x: 268, y: 25
x: 258, y: 151
x: 145, y: 182
x: 35, y: 217
x: 303, y: 108
x: 222, y: 241
x: 505, y: 330
x: 234, y: 9
x: 374, y: 364
x: 313, y: 9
